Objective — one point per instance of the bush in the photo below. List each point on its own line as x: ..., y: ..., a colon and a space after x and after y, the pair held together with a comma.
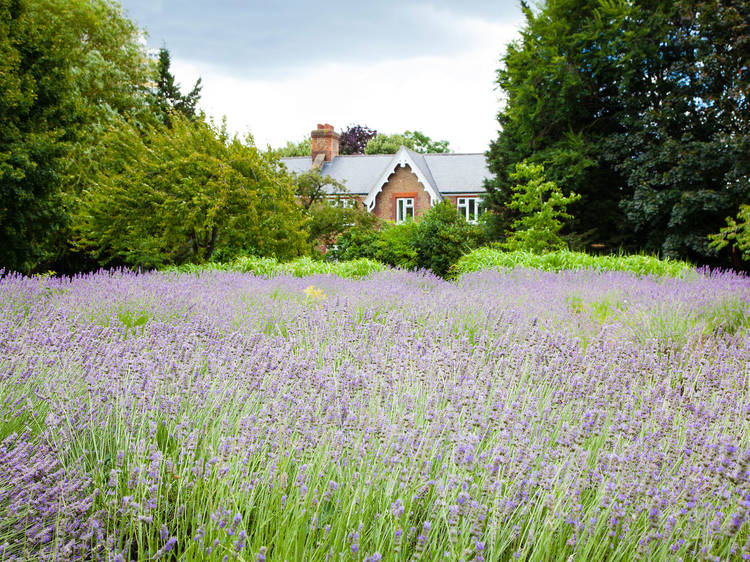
x: 491, y: 258
x: 442, y: 237
x: 300, y: 267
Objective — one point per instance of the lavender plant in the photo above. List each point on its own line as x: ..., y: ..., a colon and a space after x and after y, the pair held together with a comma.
x: 523, y: 415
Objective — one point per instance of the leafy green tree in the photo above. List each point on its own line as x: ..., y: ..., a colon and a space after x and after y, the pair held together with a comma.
x: 169, y: 98
x: 641, y: 108
x: 541, y: 205
x: 736, y: 235
x: 434, y: 242
x: 329, y: 220
x: 67, y: 69
x: 424, y: 144
x: 684, y: 151
x: 36, y: 108
x: 179, y: 195
x: 392, y: 244
x: 415, y: 140
x: 313, y: 187
x: 330, y: 209
x: 302, y: 148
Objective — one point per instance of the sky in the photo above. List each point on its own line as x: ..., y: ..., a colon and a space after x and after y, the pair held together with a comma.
x: 276, y: 69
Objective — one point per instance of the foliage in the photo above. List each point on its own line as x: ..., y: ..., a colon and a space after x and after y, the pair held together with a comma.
x: 179, y: 195
x: 639, y: 107
x: 330, y: 208
x: 312, y: 187
x: 300, y: 267
x: 329, y: 219
x: 434, y: 242
x: 736, y: 234
x: 393, y: 245
x: 541, y: 205
x: 685, y: 148
x: 424, y: 144
x: 396, y: 245
x: 560, y: 88
x: 563, y: 260
x: 302, y: 148
x: 442, y: 237
x: 35, y: 107
x: 354, y: 139
x: 55, y: 92
x: 169, y: 98
x: 415, y: 140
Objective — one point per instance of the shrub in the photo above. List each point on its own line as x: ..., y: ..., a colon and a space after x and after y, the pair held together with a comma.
x: 442, y: 237
x: 491, y: 258
x: 301, y: 267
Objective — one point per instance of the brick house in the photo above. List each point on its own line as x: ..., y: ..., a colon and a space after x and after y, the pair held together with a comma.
x: 402, y: 185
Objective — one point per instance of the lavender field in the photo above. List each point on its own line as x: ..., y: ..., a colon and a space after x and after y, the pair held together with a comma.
x: 505, y: 416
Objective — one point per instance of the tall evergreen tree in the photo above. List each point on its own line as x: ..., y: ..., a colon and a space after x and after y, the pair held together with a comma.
x: 168, y: 95
x: 561, y: 103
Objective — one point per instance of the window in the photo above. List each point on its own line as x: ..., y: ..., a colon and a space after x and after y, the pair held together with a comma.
x: 343, y: 202
x: 468, y: 207
x: 404, y: 208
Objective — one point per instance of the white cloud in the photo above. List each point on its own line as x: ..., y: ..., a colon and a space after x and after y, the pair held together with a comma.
x: 446, y: 97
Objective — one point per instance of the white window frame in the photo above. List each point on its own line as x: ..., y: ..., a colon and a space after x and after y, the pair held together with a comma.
x: 343, y: 202
x: 463, y: 204
x: 404, y: 204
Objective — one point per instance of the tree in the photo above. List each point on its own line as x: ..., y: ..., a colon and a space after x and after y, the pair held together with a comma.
x: 424, y: 144
x: 354, y: 139
x: 330, y: 210
x: 561, y: 103
x: 312, y: 187
x: 736, y: 235
x: 330, y: 219
x: 541, y: 205
x: 684, y: 151
x: 35, y: 107
x: 302, y: 148
x: 415, y: 140
x: 169, y: 98
x: 641, y: 108
x: 180, y: 195
x: 66, y: 67
x: 391, y: 244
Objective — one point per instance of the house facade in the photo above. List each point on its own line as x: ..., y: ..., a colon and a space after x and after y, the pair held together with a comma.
x: 398, y: 186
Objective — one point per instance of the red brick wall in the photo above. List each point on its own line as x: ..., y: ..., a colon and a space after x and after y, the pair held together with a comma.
x: 402, y: 183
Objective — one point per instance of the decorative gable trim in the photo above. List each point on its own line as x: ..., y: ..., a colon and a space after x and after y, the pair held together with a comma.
x: 400, y: 159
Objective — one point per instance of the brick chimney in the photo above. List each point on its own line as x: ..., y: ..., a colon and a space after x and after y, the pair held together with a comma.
x: 325, y: 144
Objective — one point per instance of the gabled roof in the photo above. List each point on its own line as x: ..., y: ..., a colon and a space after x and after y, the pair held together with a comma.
x: 365, y: 174
x: 405, y: 157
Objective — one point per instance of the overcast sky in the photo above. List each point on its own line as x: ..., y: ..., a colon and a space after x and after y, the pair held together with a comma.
x: 276, y: 69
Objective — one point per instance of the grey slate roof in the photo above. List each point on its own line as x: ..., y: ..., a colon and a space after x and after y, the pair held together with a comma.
x: 458, y: 173
x: 448, y: 173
